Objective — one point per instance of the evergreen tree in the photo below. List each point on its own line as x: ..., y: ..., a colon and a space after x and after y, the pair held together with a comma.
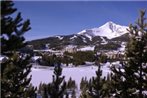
x: 57, y: 88
x: 131, y: 79
x: 99, y: 86
x: 12, y: 28
x: 84, y: 84
x: 71, y: 87
x: 73, y: 95
x: 71, y: 84
x: 30, y: 92
x: 15, y: 70
x: 42, y: 90
x: 84, y: 94
x: 96, y: 90
x: 108, y: 87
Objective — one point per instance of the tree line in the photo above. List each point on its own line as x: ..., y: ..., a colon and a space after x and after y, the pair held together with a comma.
x: 76, y: 58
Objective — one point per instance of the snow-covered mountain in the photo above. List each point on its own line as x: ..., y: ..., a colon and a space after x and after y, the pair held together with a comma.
x: 109, y: 30
x: 106, y: 35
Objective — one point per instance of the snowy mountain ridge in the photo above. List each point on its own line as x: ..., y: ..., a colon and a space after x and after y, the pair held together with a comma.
x: 109, y: 30
x: 109, y: 35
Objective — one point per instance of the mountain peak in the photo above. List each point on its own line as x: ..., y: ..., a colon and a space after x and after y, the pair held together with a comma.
x: 109, y: 30
x: 110, y: 25
x: 110, y: 22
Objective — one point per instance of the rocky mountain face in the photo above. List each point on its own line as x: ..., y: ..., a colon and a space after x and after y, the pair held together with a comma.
x: 108, y: 36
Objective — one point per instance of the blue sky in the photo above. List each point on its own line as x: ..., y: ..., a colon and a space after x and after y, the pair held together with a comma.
x: 63, y: 18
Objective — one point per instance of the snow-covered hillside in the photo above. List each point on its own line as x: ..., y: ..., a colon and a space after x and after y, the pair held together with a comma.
x: 109, y: 30
x: 104, y: 35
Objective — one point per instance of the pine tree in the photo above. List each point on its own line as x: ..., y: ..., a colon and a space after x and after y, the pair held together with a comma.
x: 12, y: 28
x: 42, y: 90
x: 130, y: 80
x: 45, y: 91
x: 57, y: 88
x: 96, y: 90
x: 15, y: 70
x: 71, y: 84
x: 97, y: 85
x: 108, y: 87
x: 84, y: 84
x: 84, y: 87
x: 73, y: 95
x: 30, y: 92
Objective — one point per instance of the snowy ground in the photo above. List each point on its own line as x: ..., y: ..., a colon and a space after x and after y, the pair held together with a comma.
x: 44, y: 75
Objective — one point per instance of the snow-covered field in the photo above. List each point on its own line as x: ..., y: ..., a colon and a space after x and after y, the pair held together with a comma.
x: 44, y: 75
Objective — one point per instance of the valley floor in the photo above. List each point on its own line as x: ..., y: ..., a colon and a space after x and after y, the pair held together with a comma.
x: 44, y: 74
